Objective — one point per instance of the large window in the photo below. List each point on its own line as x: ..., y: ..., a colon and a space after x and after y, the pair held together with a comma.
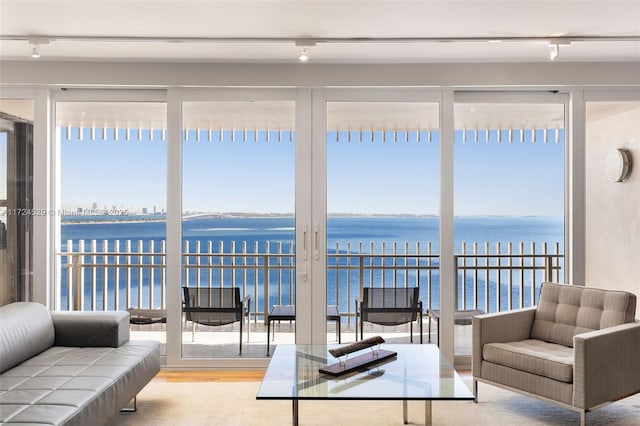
x: 265, y: 202
x: 111, y: 210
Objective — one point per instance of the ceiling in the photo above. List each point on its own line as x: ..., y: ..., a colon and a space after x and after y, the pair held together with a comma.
x: 356, y: 31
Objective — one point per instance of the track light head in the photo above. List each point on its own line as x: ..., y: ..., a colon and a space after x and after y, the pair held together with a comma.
x: 554, y: 51
x: 306, y: 45
x: 36, y: 42
x: 35, y: 52
x: 554, y: 47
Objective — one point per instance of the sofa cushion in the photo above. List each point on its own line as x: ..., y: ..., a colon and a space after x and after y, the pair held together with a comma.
x: 76, y: 386
x: 566, y: 310
x: 25, y: 330
x: 533, y: 356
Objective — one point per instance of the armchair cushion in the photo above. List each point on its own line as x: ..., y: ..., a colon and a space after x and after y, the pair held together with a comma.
x: 564, y: 311
x: 533, y: 356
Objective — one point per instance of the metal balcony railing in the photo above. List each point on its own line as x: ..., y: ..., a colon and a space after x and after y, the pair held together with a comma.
x: 114, y: 275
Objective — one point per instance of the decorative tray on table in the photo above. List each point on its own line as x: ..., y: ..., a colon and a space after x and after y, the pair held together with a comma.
x: 346, y: 365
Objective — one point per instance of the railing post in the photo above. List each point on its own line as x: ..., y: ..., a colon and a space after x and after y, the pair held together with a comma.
x: 70, y: 275
x: 140, y: 272
x: 255, y: 279
x: 163, y: 275
x: 547, y: 267
x: 463, y: 284
x: 78, y: 279
x: 498, y: 279
x: 185, y: 264
x: 475, y: 275
x: 94, y: 276
x: 198, y: 262
x: 265, y: 286
x: 105, y: 275
x: 152, y: 255
x: 486, y: 277
x: 127, y: 301
x: 116, y: 286
x: 233, y: 263
x: 510, y: 277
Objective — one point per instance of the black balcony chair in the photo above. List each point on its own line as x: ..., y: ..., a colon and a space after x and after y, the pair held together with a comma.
x: 147, y: 316
x: 215, y: 307
x: 389, y: 306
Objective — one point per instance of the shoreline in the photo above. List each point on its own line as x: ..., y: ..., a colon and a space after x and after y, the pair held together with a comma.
x: 142, y: 219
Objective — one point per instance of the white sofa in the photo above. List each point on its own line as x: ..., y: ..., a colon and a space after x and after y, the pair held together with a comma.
x: 69, y: 368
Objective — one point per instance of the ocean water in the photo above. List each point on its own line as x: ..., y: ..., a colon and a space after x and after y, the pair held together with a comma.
x: 352, y: 234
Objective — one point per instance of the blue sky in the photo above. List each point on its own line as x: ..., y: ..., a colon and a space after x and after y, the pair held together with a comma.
x: 386, y: 178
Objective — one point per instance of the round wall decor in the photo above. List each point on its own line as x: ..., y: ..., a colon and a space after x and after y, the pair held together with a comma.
x: 618, y: 165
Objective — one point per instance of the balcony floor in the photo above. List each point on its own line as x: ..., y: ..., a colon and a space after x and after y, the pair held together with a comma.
x: 222, y: 342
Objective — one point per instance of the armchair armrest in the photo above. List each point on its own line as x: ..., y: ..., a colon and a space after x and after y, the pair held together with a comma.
x: 606, y: 365
x: 87, y: 329
x: 498, y: 328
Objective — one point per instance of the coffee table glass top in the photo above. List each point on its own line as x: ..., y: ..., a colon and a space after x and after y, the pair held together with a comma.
x: 418, y: 372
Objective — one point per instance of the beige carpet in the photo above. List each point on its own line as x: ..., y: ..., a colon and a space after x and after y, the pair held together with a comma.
x: 234, y: 404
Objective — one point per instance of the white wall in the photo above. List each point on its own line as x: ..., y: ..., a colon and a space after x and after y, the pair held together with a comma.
x: 539, y: 75
x: 612, y: 209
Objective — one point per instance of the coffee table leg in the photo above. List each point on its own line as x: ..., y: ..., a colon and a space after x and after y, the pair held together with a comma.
x: 268, y: 334
x: 405, y: 414
x: 295, y: 412
x: 427, y: 412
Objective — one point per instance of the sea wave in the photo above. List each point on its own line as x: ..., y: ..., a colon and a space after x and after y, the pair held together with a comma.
x: 285, y: 228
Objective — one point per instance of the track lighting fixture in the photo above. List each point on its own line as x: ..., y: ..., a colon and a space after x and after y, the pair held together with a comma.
x: 35, y: 52
x: 554, y: 51
x: 554, y: 48
x: 306, y: 45
x: 36, y: 42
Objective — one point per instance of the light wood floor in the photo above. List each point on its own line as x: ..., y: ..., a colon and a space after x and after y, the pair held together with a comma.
x: 211, y: 376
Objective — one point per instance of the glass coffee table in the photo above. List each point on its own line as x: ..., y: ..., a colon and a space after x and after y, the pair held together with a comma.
x: 418, y: 372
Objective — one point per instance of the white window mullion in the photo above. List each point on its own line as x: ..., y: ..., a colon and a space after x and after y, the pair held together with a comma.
x: 448, y: 279
x: 174, y: 227
x: 575, y: 216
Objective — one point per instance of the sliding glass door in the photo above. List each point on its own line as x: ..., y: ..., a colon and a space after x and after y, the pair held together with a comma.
x: 382, y: 206
x: 110, y: 208
x: 237, y: 225
x: 509, y: 198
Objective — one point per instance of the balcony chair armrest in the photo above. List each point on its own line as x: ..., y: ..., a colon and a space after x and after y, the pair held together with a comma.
x: 606, y: 365
x: 358, y: 304
x: 499, y: 327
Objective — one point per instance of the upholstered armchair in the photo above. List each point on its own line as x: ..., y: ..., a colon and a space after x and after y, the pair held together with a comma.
x: 580, y: 348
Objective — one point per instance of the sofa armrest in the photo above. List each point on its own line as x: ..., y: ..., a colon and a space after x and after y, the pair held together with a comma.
x: 607, y: 365
x: 86, y: 329
x: 498, y: 328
